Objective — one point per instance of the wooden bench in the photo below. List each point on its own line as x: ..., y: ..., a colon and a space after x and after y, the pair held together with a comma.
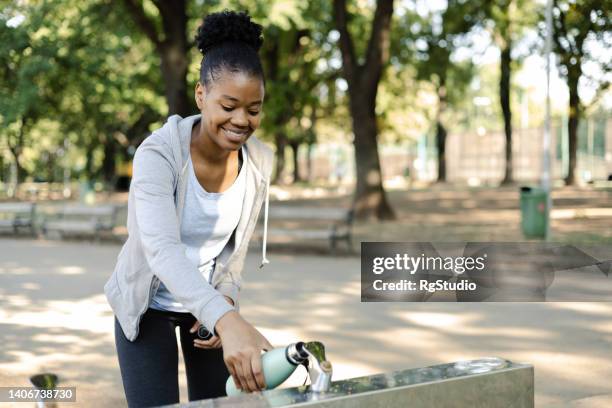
x: 82, y: 219
x: 326, y: 223
x: 17, y: 215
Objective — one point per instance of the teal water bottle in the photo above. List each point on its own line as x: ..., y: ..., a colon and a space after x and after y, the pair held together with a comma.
x: 277, y: 364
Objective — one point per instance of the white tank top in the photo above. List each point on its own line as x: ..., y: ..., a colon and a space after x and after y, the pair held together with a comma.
x: 209, y: 220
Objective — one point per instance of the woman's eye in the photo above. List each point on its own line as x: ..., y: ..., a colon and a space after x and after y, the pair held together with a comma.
x: 227, y: 109
x: 254, y: 113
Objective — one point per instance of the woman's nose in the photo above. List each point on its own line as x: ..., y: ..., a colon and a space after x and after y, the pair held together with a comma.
x: 240, y: 118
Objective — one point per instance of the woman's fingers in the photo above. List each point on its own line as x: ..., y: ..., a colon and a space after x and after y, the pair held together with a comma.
x: 238, y: 376
x: 195, y: 327
x: 248, y: 377
x: 212, y: 343
x: 258, y: 372
x: 232, y: 372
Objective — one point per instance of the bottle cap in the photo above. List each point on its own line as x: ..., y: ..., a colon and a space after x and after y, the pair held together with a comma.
x: 296, y: 354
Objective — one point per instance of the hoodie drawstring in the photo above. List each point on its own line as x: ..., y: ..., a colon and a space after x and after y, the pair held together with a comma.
x: 264, y: 260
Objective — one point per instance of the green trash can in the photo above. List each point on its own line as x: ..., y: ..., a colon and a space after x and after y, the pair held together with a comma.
x: 534, y: 217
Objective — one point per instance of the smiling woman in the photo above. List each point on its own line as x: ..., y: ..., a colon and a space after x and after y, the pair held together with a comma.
x: 198, y: 186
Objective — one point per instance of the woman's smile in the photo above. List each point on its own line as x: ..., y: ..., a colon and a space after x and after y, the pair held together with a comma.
x: 235, y: 135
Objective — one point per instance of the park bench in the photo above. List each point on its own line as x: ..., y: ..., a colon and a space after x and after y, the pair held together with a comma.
x: 17, y: 215
x: 82, y: 220
x: 311, y: 223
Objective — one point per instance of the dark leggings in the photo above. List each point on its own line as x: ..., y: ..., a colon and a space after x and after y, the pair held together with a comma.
x: 149, y: 365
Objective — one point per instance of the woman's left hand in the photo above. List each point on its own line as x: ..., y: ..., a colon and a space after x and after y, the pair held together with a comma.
x: 212, y: 343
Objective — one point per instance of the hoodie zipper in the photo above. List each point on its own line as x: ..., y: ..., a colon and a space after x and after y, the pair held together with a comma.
x: 257, y: 201
x: 142, y: 312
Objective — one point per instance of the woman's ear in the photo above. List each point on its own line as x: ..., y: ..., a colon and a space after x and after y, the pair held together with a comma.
x: 200, y: 95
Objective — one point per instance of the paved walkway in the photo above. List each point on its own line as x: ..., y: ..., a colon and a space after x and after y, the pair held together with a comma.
x: 54, y: 317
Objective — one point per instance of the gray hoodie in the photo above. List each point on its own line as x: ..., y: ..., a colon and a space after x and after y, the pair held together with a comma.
x: 153, y: 250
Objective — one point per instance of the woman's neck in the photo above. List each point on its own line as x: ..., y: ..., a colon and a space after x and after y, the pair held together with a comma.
x: 205, y: 149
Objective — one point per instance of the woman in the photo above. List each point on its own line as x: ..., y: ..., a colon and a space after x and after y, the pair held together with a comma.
x: 198, y: 186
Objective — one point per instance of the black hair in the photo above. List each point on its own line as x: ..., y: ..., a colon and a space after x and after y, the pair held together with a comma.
x: 229, y: 41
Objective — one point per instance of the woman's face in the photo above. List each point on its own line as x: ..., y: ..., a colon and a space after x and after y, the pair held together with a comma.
x: 231, y: 108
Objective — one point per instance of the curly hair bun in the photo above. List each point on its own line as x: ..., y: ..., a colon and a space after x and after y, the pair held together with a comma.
x: 228, y: 26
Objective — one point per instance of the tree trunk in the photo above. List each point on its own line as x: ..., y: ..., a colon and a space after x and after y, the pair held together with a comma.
x: 295, y: 147
x: 504, y: 99
x: 51, y: 168
x: 441, y: 147
x: 370, y: 200
x: 309, y: 162
x: 89, y: 162
x: 16, y: 150
x: 174, y: 64
x: 572, y: 127
x: 108, y: 163
x: 21, y: 172
x: 441, y: 131
x: 171, y: 46
x: 281, y: 142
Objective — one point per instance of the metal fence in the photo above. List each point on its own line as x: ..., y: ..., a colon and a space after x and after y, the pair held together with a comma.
x: 474, y: 157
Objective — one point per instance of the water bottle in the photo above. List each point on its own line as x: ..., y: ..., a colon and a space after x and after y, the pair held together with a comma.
x: 277, y: 364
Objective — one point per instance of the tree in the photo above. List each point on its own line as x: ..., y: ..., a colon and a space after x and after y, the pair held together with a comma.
x: 435, y: 41
x: 25, y: 65
x: 281, y: 55
x: 170, y: 41
x: 108, y: 85
x: 576, y: 25
x: 93, y: 85
x: 509, y: 18
x: 294, y: 35
x: 363, y: 79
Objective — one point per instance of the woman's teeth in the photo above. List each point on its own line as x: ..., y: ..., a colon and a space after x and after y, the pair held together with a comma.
x: 237, y: 134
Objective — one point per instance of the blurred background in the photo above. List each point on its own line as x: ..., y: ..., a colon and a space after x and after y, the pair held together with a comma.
x: 405, y: 120
x: 419, y: 92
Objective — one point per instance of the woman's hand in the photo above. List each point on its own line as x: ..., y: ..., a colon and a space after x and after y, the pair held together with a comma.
x: 242, y: 346
x: 212, y: 343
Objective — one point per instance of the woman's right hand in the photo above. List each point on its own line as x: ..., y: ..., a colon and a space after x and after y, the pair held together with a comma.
x: 242, y: 345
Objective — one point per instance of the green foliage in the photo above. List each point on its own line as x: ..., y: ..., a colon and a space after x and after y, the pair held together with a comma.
x: 82, y: 75
x: 428, y: 42
x: 577, y: 25
x: 63, y: 63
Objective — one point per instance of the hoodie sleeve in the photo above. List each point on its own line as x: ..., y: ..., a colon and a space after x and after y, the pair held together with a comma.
x: 153, y: 183
x: 229, y: 288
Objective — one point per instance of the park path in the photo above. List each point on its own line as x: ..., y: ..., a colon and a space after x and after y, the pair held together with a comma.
x: 54, y: 317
